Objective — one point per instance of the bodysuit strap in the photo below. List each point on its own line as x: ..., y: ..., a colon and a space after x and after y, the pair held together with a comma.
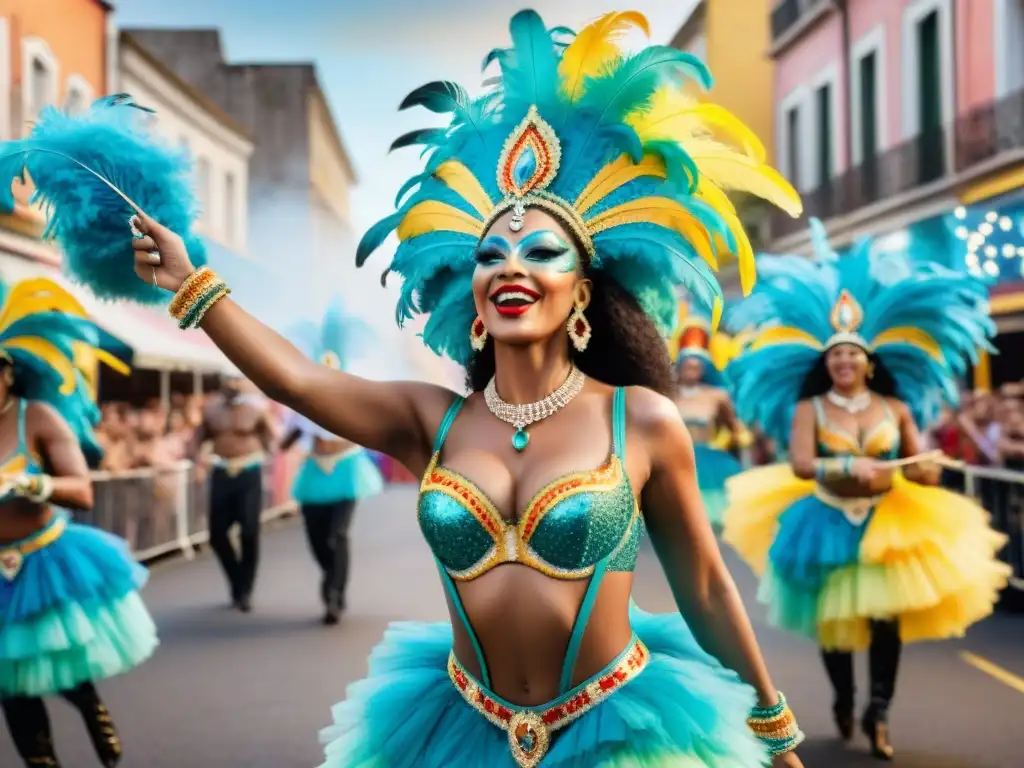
x: 453, y: 593
x: 819, y: 412
x: 447, y: 421
x: 590, y: 597
x: 22, y: 443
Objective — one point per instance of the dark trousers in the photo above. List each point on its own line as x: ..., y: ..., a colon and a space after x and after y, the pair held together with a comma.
x: 237, y: 501
x: 327, y: 530
x: 883, y: 664
x: 29, y: 724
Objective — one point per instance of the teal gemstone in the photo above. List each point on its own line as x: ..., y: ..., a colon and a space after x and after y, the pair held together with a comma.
x: 520, y: 440
x: 525, y: 167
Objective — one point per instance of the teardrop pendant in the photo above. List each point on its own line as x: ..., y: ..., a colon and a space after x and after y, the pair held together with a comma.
x: 520, y: 440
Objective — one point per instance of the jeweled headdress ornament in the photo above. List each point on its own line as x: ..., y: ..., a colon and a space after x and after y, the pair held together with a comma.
x: 606, y: 142
x: 922, y: 321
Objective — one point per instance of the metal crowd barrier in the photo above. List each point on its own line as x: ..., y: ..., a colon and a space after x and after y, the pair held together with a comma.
x: 1001, y: 492
x: 160, y: 510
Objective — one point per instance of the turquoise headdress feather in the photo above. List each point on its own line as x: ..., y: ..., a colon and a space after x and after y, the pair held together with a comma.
x: 608, y: 143
x: 336, y: 339
x: 924, y: 322
x: 54, y: 348
x: 92, y: 171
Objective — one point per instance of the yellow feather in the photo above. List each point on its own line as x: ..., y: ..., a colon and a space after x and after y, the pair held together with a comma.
x: 52, y: 356
x: 912, y: 336
x: 663, y: 212
x: 614, y: 175
x: 595, y: 48
x: 733, y: 170
x: 435, y: 216
x: 38, y: 294
x: 461, y: 180
x: 783, y: 334
x: 716, y: 314
x: 677, y: 116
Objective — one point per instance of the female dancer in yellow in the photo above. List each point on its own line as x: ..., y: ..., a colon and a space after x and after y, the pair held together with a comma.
x: 856, y: 547
x: 557, y: 218
x: 704, y: 403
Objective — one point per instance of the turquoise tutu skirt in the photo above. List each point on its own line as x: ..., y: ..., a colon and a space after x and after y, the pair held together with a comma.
x: 353, y: 477
x: 72, y: 613
x: 714, y: 467
x: 684, y: 710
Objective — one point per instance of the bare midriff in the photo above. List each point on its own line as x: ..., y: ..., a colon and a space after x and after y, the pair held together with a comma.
x: 20, y: 518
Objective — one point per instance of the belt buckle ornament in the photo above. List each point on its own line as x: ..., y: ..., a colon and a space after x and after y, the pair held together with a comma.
x: 857, y: 510
x: 528, y: 738
x: 11, y: 561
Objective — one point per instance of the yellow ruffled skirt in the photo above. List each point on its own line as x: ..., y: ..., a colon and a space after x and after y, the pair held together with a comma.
x: 924, y: 556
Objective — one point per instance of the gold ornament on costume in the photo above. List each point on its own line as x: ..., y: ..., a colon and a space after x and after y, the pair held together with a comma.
x: 846, y: 318
x: 528, y: 163
x: 331, y: 360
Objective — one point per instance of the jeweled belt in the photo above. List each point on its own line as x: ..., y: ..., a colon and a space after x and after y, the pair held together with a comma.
x: 855, y: 509
x: 529, y: 729
x: 12, y: 556
x: 236, y: 465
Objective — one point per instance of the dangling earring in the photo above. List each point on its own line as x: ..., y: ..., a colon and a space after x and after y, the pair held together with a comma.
x: 578, y: 327
x: 478, y: 335
x: 871, y: 370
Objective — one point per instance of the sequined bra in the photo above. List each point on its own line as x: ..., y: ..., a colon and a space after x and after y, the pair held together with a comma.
x: 567, y: 528
x: 882, y: 441
x: 21, y: 460
x: 578, y: 526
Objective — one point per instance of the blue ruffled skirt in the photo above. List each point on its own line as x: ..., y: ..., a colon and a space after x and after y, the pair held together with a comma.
x: 72, y: 614
x: 354, y: 477
x: 684, y: 710
x: 714, y: 468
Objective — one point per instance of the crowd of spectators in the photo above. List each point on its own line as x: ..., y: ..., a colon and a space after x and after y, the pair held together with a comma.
x: 151, y: 436
x: 986, y: 430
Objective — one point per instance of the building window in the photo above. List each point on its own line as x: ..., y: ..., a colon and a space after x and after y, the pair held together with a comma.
x: 203, y: 188
x: 793, y: 145
x: 1008, y: 32
x: 40, y: 86
x: 823, y: 109
x: 868, y: 106
x: 230, y: 221
x: 77, y: 95
x: 929, y: 74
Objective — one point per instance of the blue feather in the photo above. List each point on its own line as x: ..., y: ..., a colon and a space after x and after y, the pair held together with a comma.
x: 530, y: 71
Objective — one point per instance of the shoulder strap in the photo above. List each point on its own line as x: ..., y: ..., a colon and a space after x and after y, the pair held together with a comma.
x: 22, y: 407
x: 619, y: 423
x: 446, y: 422
x: 819, y: 411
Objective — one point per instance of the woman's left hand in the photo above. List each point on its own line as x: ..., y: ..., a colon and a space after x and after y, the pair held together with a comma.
x: 787, y: 760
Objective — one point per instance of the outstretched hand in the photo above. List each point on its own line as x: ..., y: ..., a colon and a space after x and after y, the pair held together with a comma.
x: 160, y: 255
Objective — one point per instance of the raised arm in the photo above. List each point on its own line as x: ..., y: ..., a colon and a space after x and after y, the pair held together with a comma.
x: 685, y: 543
x: 67, y: 483
x: 396, y: 418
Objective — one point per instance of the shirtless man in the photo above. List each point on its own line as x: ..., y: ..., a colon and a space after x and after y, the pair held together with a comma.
x: 241, y: 431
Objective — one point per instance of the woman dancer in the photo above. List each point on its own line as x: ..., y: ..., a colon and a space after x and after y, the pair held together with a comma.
x: 856, y: 549
x: 555, y: 221
x: 336, y: 474
x: 706, y: 408
x: 70, y: 612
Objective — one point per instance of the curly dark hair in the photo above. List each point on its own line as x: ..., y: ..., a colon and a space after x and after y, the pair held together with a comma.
x: 818, y: 382
x: 625, y: 349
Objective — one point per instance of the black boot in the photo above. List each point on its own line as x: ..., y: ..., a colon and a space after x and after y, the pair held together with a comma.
x: 335, y: 605
x: 105, y: 739
x: 29, y: 725
x: 884, y: 660
x: 839, y: 666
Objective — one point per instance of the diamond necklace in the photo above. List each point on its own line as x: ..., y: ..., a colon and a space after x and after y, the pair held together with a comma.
x: 522, y: 416
x: 855, y: 404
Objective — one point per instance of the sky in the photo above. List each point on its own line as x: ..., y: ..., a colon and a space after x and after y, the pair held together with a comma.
x: 371, y: 53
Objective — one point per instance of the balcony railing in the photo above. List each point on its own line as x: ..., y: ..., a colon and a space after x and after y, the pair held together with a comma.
x: 979, y: 136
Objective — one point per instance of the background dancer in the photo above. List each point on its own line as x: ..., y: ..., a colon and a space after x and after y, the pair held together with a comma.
x: 70, y: 612
x: 240, y: 428
x: 856, y: 549
x: 336, y: 473
x: 706, y: 407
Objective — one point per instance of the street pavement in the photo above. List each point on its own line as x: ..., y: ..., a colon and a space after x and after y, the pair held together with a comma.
x: 227, y: 690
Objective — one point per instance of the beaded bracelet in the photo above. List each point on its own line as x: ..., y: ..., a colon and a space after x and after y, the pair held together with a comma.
x: 776, y: 727
x: 200, y: 291
x: 831, y: 469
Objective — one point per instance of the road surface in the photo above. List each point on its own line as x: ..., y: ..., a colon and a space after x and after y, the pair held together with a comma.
x: 227, y: 690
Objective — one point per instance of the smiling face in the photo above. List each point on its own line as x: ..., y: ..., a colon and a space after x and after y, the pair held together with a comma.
x: 691, y: 371
x: 525, y: 282
x: 847, y: 365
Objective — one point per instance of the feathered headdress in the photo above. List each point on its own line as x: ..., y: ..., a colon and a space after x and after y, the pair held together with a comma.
x: 46, y: 335
x: 92, y: 172
x: 336, y: 339
x: 695, y: 337
x: 923, y: 321
x: 607, y: 143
